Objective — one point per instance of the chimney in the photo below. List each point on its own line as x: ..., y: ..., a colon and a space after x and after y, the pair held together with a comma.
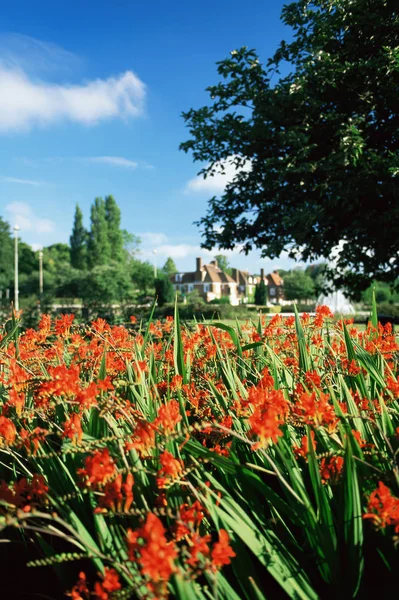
x: 214, y: 263
x: 199, y: 264
x: 262, y: 274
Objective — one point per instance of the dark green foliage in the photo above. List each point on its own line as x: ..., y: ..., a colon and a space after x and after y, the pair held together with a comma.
x: 106, y: 284
x: 142, y: 275
x: 115, y: 235
x: 6, y: 255
x: 99, y: 247
x: 298, y: 285
x: 317, y: 149
x: 78, y: 241
x: 164, y: 290
x: 261, y: 293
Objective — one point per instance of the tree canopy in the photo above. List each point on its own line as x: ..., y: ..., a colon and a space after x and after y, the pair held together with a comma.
x: 315, y: 151
x: 78, y: 241
x: 223, y: 263
x: 298, y: 285
x: 169, y: 267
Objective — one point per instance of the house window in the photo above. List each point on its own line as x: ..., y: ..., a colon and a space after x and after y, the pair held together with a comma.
x: 190, y: 287
x: 272, y: 291
x: 179, y: 277
x: 206, y: 287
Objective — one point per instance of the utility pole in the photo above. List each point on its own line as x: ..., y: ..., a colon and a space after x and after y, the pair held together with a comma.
x: 40, y: 274
x: 16, y: 287
x: 155, y: 264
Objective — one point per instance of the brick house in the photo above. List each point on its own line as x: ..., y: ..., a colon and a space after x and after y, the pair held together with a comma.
x: 275, y: 287
x: 246, y: 284
x: 209, y: 280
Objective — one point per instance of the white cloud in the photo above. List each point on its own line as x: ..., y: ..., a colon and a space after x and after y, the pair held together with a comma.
x: 226, y: 173
x: 22, y: 214
x: 115, y: 161
x: 151, y: 238
x: 25, y: 103
x: 20, y: 181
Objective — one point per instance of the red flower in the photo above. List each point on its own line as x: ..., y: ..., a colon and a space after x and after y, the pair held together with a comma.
x: 170, y: 469
x: 222, y: 552
x: 109, y: 584
x: 8, y: 431
x: 168, y: 416
x: 331, y: 469
x: 73, y: 429
x: 155, y: 554
x: 98, y: 468
x: 383, y: 508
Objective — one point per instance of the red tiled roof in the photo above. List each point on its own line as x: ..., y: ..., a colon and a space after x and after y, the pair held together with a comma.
x: 275, y: 277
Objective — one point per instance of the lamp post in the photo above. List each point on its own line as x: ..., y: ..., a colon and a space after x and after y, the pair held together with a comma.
x: 40, y: 274
x: 16, y: 287
x: 155, y: 264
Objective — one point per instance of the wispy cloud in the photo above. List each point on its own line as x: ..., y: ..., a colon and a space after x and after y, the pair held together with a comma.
x: 26, y: 103
x: 22, y: 214
x: 114, y: 161
x: 226, y: 172
x: 36, y: 57
x: 21, y: 181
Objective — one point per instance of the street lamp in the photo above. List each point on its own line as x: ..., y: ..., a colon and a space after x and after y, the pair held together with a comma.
x: 155, y: 264
x: 16, y: 287
x: 40, y: 274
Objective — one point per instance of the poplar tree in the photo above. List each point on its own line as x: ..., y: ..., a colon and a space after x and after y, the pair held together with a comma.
x: 78, y: 241
x: 115, y: 234
x: 99, y: 248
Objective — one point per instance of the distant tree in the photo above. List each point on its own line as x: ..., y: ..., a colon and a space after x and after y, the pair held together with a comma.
x: 99, y: 248
x: 318, y: 272
x: 27, y: 258
x: 131, y: 244
x: 115, y: 234
x: 298, y: 285
x: 142, y: 275
x: 78, y: 241
x: 164, y: 290
x: 169, y: 267
x: 261, y: 293
x: 223, y: 263
x: 6, y: 255
x: 106, y: 284
x: 383, y: 292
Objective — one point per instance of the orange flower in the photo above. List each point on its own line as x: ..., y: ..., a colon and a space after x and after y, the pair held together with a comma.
x: 222, y: 552
x: 331, y: 469
x: 8, y: 431
x: 155, y: 554
x: 73, y: 429
x: 98, y: 468
x: 383, y: 508
x: 109, y: 584
x: 168, y: 416
x: 170, y: 469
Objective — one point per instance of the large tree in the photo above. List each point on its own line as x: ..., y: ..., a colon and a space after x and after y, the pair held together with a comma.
x: 316, y: 151
x: 78, y: 241
x: 115, y: 234
x: 99, y: 248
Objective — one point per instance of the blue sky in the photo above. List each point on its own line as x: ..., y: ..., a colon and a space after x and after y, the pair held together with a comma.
x: 91, y: 95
